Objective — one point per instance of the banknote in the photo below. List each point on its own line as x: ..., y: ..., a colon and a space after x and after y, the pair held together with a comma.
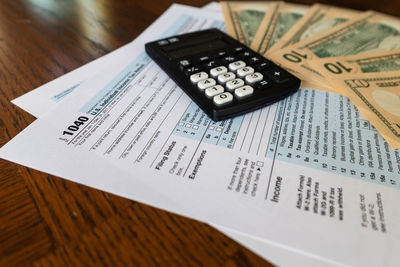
x: 319, y: 18
x: 276, y: 23
x: 242, y: 19
x: 377, y: 97
x: 240, y: 28
x: 336, y: 67
x: 368, y: 32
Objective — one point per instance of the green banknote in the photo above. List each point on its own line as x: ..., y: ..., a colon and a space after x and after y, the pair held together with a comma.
x: 367, y: 32
x: 277, y: 23
x: 377, y: 97
x: 242, y: 19
x: 380, y: 61
x: 318, y: 19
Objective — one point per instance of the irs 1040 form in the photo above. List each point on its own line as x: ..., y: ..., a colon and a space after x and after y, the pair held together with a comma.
x: 39, y: 101
x: 305, y: 168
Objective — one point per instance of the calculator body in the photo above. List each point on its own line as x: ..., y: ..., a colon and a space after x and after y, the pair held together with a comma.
x: 221, y: 75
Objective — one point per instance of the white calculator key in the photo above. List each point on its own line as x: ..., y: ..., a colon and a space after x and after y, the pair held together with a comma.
x: 223, y: 98
x: 236, y: 65
x: 206, y: 83
x: 254, y: 77
x: 226, y: 77
x: 236, y: 83
x: 218, y: 70
x: 244, y: 91
x: 197, y: 77
x: 215, y: 90
x: 245, y: 71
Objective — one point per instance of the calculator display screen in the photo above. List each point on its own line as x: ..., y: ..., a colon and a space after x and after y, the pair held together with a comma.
x: 197, y: 48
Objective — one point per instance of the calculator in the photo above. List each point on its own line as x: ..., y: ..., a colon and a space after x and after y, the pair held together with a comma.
x: 222, y: 76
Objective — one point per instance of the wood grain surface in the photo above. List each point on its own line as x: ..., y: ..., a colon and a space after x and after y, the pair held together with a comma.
x: 48, y: 221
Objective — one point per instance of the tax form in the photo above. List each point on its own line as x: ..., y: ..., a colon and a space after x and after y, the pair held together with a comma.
x: 288, y: 173
x: 44, y: 98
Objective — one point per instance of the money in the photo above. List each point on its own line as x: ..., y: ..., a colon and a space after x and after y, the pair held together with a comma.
x: 240, y: 28
x: 367, y: 32
x: 242, y: 19
x: 377, y: 97
x: 335, y: 67
x: 333, y: 49
x: 276, y: 23
x: 318, y: 19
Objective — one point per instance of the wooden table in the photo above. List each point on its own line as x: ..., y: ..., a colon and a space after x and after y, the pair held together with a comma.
x: 45, y: 220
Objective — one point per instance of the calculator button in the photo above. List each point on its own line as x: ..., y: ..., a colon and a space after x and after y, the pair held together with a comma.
x: 221, y: 54
x: 253, y: 60
x: 218, y: 70
x: 278, y: 74
x: 197, y: 77
x: 229, y: 59
x: 173, y: 40
x: 236, y: 83
x: 163, y: 42
x: 213, y: 91
x: 263, y: 65
x: 226, y: 77
x: 244, y: 91
x: 183, y: 64
x: 204, y: 59
x: 245, y: 71
x: 236, y: 65
x: 191, y: 70
x: 264, y: 84
x: 206, y: 83
x: 254, y: 77
x: 223, y: 99
x: 211, y: 64
x: 246, y: 54
x: 238, y: 49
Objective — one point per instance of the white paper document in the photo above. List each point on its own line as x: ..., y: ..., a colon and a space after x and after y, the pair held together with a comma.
x: 39, y: 101
x: 307, y: 174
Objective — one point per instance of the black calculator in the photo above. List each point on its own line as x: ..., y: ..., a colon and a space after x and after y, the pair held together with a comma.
x: 224, y: 77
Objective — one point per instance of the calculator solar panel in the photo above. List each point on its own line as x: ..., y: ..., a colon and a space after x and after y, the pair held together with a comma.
x: 224, y: 77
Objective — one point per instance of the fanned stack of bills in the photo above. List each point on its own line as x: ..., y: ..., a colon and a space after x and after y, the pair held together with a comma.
x: 349, y: 52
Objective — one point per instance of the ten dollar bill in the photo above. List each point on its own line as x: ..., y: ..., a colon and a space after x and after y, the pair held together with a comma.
x: 276, y: 23
x: 318, y: 19
x: 242, y: 19
x: 377, y: 97
x: 370, y: 31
